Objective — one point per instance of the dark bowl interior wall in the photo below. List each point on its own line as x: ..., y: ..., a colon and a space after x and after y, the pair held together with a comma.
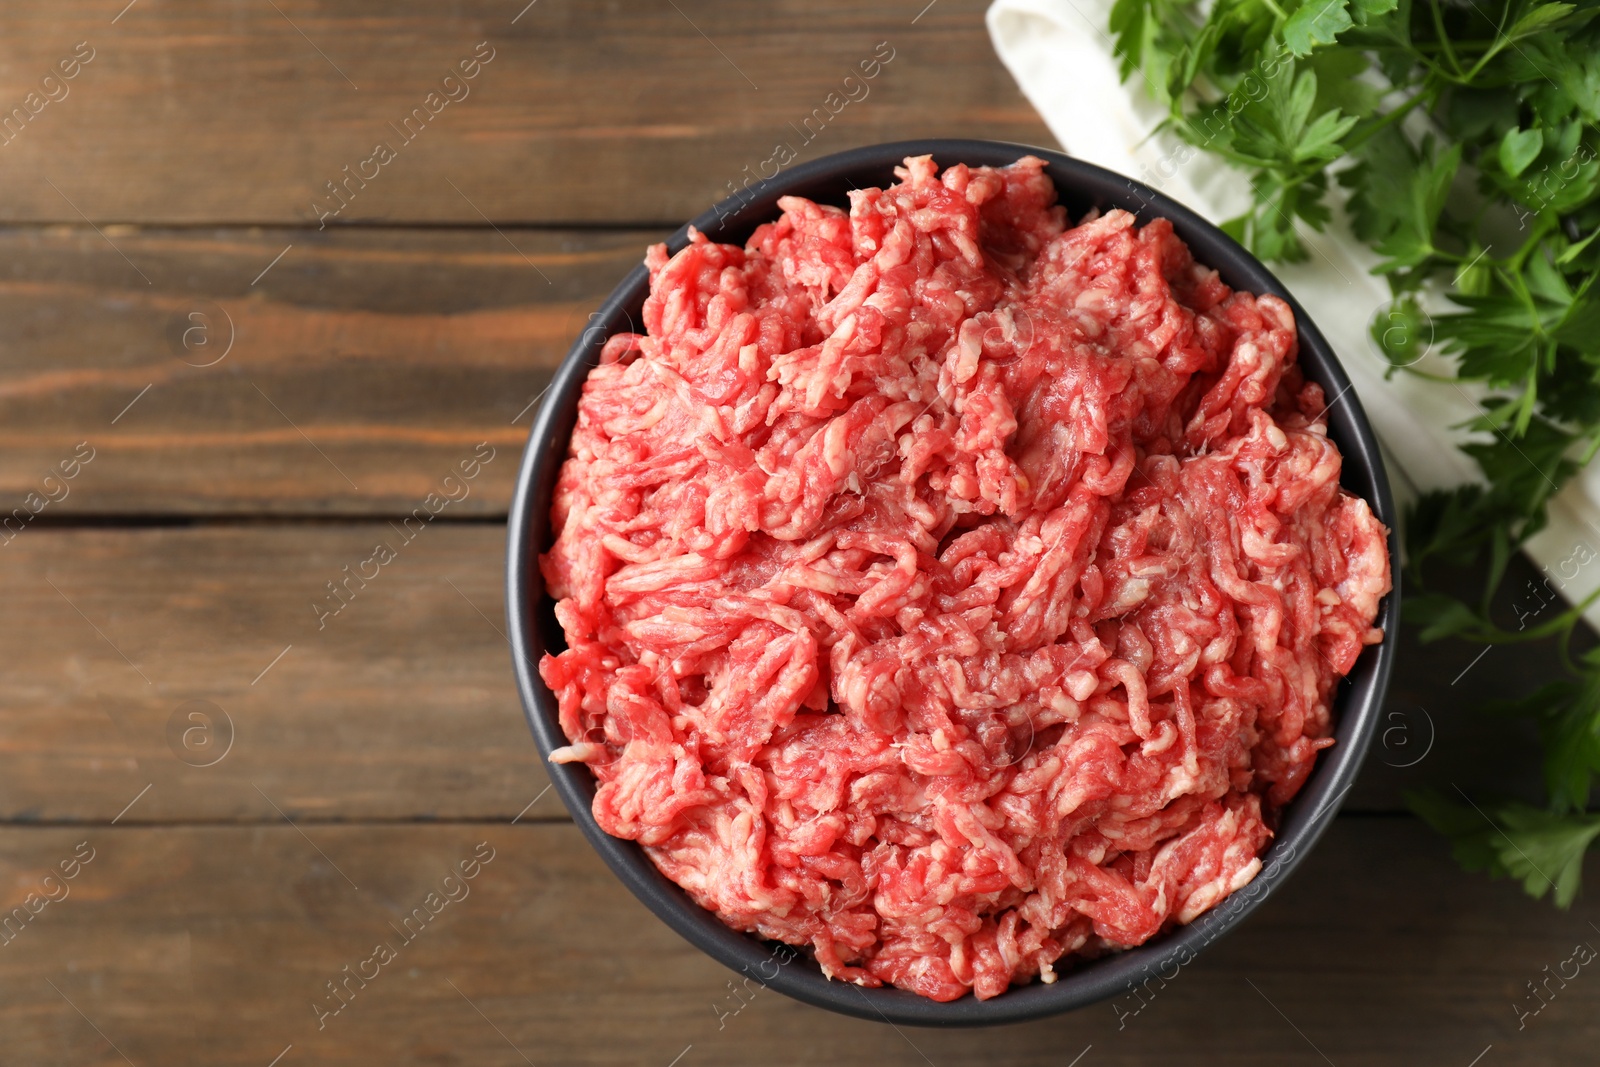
x: 533, y: 627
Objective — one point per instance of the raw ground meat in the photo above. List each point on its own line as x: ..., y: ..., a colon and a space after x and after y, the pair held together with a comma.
x: 951, y: 590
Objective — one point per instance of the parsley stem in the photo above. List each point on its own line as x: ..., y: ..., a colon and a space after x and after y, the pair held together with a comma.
x: 1490, y: 634
x: 1459, y: 47
x: 1436, y: 7
x: 1499, y: 45
x: 1494, y: 50
x: 1564, y: 648
x: 1447, y: 379
x: 1361, y: 135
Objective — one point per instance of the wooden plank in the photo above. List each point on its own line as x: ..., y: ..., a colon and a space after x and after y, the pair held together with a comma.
x: 363, y: 365
x: 211, y: 944
x: 1438, y: 730
x: 585, y: 112
x: 400, y: 706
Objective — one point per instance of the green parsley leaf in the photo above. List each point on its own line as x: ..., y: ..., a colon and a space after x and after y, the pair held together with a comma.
x: 1542, y: 849
x: 1403, y: 332
x: 1366, y: 11
x: 1439, y: 616
x: 1449, y: 525
x: 1543, y: 17
x: 1526, y: 471
x: 1569, y: 715
x: 1410, y: 242
x: 1340, y: 86
x: 1519, y: 148
x: 1380, y: 185
x: 1318, y: 22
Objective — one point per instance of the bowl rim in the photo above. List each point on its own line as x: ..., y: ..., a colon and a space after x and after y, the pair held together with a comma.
x: 1358, y: 701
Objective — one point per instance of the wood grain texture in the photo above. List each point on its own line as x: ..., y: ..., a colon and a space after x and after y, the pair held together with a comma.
x: 349, y: 379
x: 209, y: 945
x: 226, y: 111
x: 401, y: 706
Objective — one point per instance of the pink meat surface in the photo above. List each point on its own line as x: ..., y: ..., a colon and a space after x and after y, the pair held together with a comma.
x: 950, y: 589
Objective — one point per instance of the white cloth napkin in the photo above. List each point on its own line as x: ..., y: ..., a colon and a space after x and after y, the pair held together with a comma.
x: 1060, y: 53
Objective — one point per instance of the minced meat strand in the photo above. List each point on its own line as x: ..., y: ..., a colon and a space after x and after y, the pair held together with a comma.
x: 951, y: 589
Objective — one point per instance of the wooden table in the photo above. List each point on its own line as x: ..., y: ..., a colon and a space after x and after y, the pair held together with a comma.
x: 247, y: 401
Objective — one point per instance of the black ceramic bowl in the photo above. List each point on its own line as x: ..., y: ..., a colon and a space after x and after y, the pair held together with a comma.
x: 533, y: 627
